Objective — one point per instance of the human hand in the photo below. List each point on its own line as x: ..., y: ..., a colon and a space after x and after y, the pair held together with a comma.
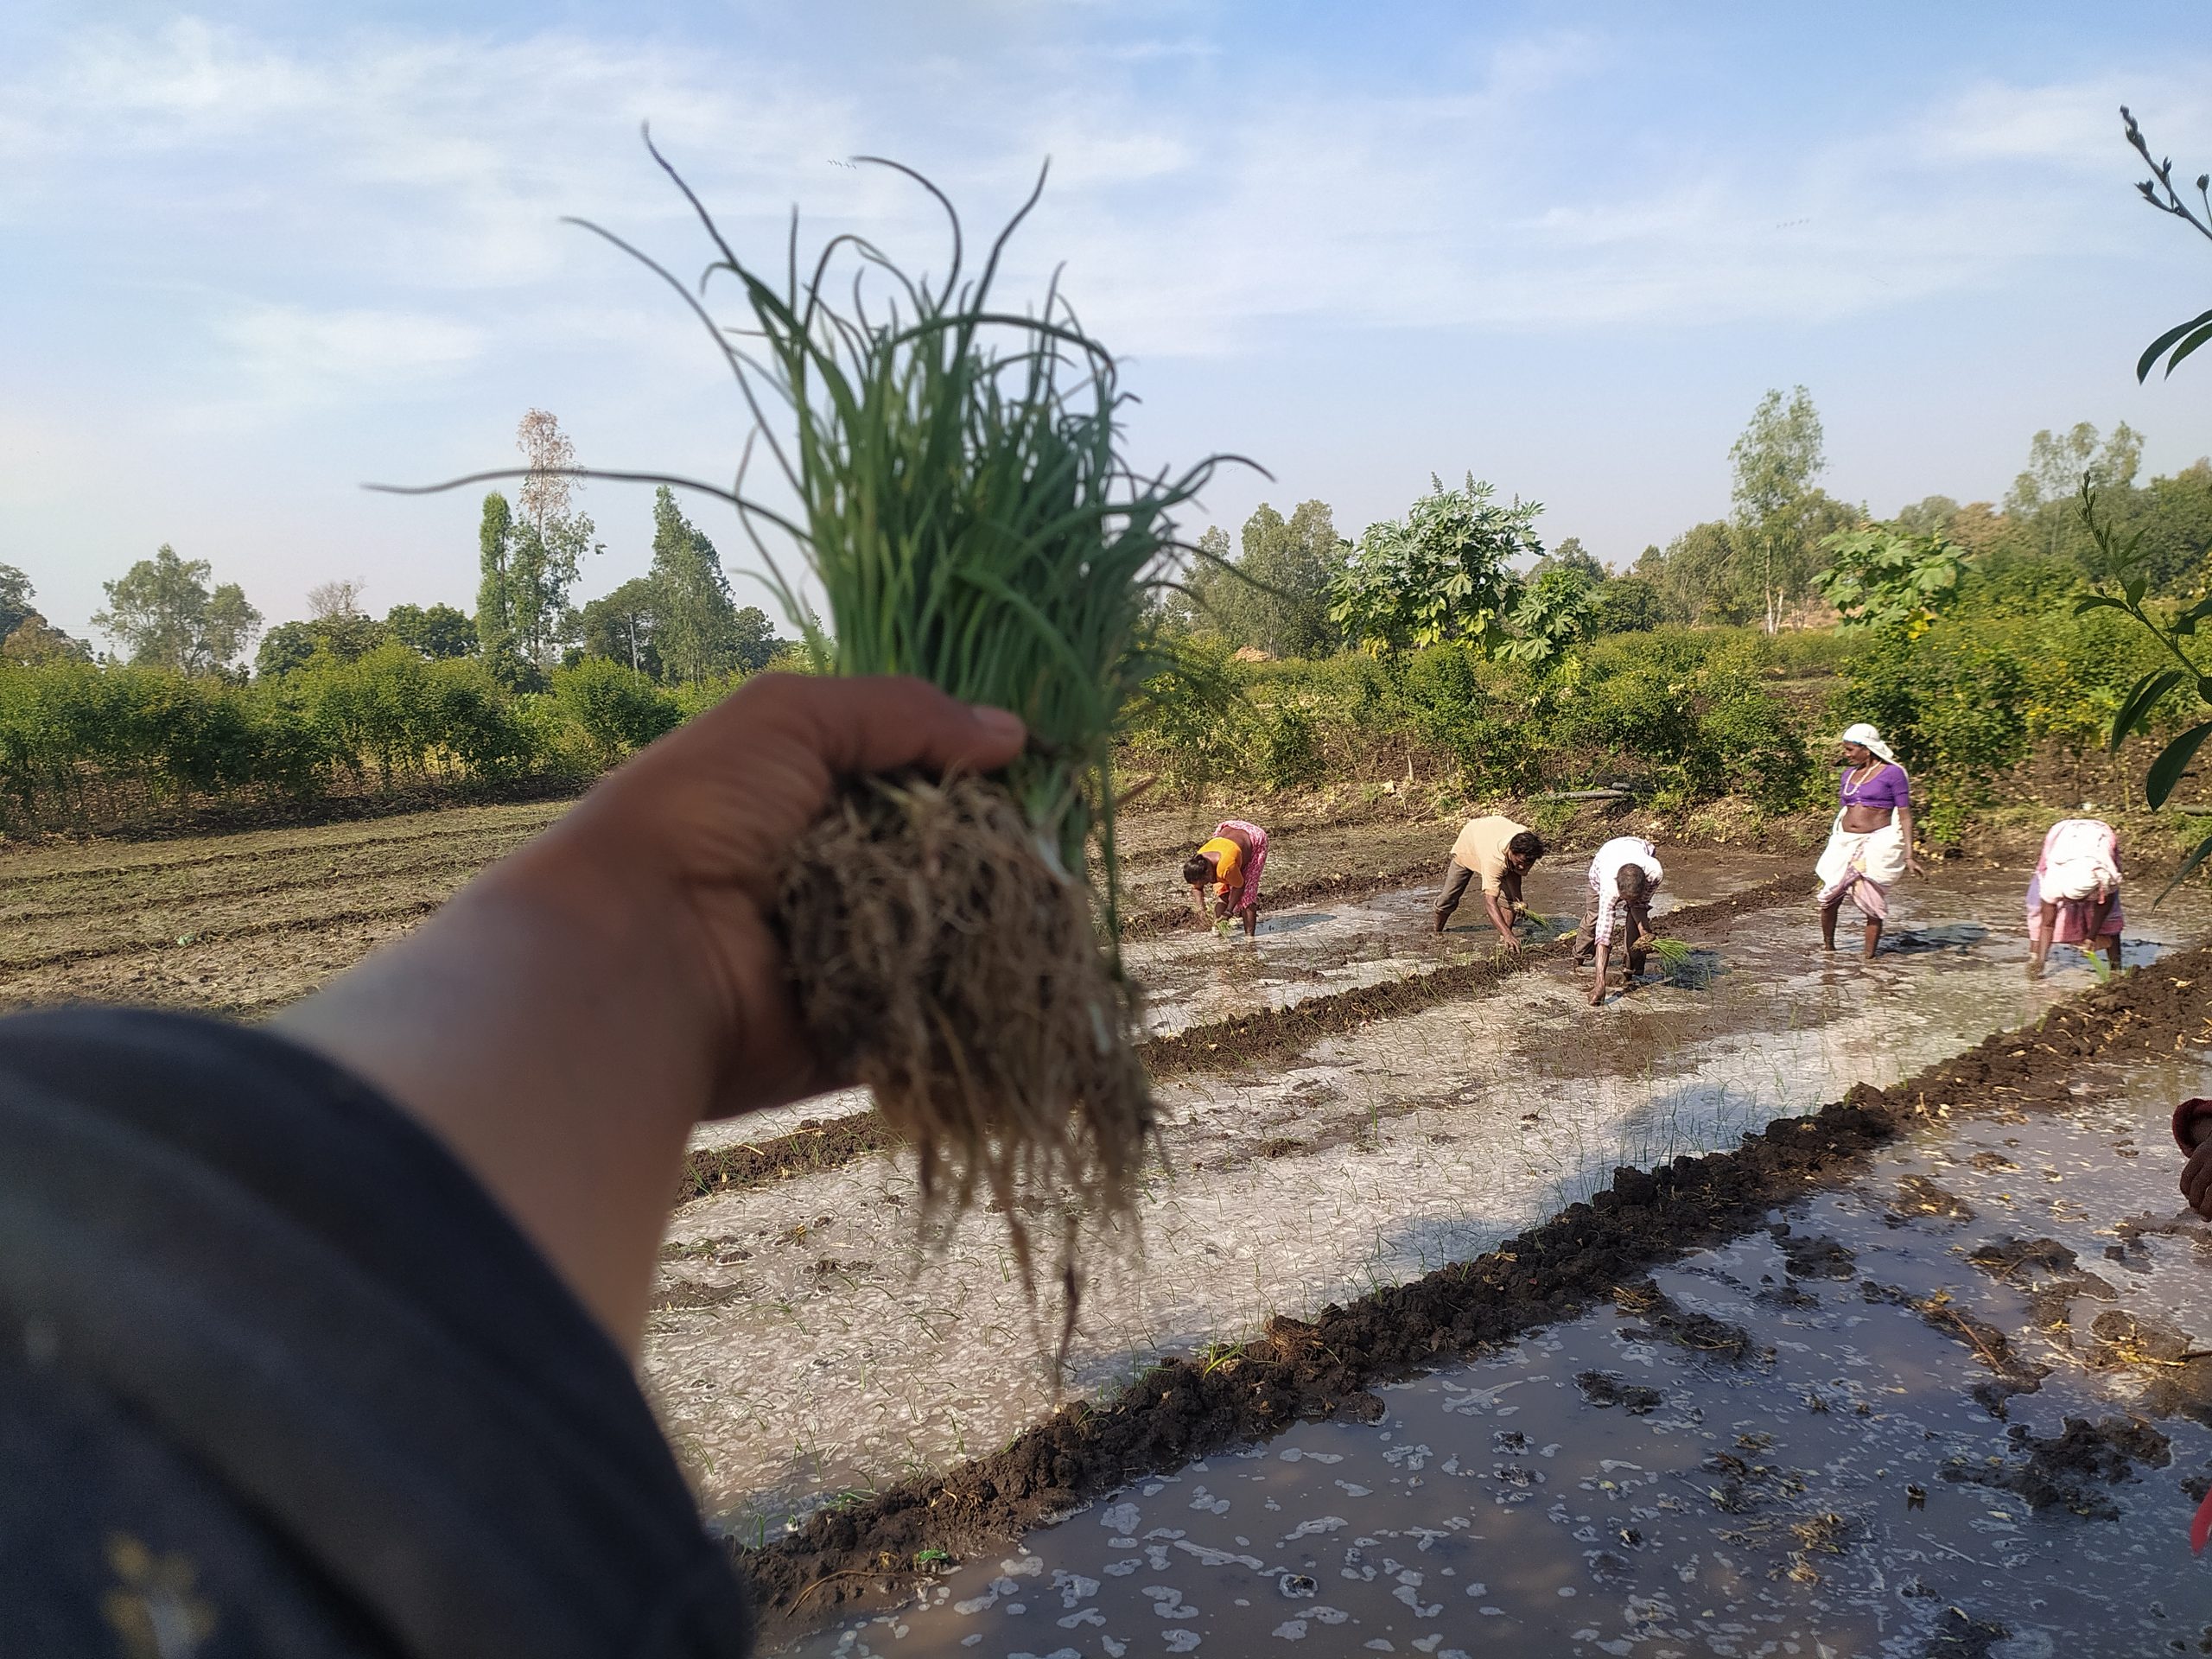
x: 684, y: 845
x: 564, y: 1021
x: 1597, y: 994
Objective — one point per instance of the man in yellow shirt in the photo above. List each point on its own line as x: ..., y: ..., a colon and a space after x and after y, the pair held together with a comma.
x: 1501, y: 852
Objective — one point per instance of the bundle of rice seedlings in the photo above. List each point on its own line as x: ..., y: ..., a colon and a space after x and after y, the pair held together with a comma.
x: 1674, y: 953
x: 966, y: 512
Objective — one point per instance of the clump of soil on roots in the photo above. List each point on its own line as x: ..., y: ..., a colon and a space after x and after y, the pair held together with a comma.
x: 935, y: 942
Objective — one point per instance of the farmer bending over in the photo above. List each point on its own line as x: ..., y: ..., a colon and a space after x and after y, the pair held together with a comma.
x: 320, y: 1335
x: 1229, y: 863
x: 1501, y: 852
x: 2073, y: 895
x: 1623, y: 877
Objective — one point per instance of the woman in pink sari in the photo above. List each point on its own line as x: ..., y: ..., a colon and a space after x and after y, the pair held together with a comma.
x: 1230, y: 863
x: 2073, y: 896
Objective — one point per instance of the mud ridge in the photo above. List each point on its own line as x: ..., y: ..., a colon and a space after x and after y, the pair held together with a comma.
x: 1359, y: 884
x: 211, y: 818
x: 321, y: 878
x: 816, y: 1144
x: 1182, y: 1409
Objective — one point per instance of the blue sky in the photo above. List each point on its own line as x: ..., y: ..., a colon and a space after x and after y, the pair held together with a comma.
x: 253, y: 255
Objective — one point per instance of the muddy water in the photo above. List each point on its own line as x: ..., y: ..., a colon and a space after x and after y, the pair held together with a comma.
x: 805, y: 1350
x: 1303, y: 951
x: 1775, y: 1447
x: 1312, y: 951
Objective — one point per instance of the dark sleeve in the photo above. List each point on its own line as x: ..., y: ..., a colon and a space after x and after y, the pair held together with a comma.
x: 273, y: 1365
x: 2185, y: 1117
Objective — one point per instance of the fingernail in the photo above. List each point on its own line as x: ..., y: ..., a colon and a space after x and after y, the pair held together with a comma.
x: 999, y: 724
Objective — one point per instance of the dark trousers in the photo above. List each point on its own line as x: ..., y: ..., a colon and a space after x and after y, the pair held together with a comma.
x: 1456, y: 877
x: 1585, y: 939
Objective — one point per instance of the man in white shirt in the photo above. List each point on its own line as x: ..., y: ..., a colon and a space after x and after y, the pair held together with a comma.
x: 1623, y: 877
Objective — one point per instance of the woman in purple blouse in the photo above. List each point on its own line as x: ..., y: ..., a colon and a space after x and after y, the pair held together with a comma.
x: 1870, y: 845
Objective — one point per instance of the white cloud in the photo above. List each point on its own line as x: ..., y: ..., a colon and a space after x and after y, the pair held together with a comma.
x: 424, y: 175
x: 301, y: 352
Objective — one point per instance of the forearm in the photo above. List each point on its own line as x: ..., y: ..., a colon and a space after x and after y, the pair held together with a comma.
x: 1501, y: 913
x: 538, y: 1027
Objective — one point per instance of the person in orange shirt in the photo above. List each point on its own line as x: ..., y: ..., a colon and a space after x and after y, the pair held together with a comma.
x: 1229, y: 862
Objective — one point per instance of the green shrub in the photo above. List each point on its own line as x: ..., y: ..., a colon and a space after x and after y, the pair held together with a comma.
x: 613, y: 709
x: 1290, y: 750
x: 1192, y: 722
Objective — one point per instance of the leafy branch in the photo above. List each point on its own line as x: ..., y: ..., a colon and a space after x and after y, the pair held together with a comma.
x: 1881, y: 578
x: 2184, y: 338
x: 2121, y: 559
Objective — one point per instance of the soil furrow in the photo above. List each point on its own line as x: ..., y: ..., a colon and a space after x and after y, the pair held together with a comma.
x: 322, y: 879
x: 125, y: 870
x: 1182, y: 1409
x: 316, y: 924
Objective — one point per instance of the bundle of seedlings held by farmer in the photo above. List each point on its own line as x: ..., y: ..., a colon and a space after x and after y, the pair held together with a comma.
x: 965, y: 512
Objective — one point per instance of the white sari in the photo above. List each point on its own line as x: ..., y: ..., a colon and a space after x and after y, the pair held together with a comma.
x: 1862, y: 867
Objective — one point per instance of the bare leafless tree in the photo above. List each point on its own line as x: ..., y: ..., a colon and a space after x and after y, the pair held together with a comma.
x: 334, y: 601
x: 547, y: 490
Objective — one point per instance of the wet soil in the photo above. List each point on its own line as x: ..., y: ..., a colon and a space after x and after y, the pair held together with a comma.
x: 1325, y: 1367
x: 1270, y: 1034
x: 1426, y: 973
x: 1373, y: 1157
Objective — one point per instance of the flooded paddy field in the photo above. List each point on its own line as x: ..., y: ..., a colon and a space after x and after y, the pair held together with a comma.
x: 805, y: 1350
x: 1926, y: 1373
x: 1354, y: 1111
x: 1937, y: 1411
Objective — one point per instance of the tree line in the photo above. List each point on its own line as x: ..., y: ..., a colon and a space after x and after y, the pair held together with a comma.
x: 1293, y: 588
x: 676, y: 625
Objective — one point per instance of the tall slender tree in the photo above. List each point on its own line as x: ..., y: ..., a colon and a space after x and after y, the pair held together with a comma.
x: 495, y: 620
x: 694, y: 622
x: 1775, y: 461
x: 546, y: 542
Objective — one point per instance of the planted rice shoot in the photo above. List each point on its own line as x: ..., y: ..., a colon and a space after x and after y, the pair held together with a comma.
x: 967, y: 516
